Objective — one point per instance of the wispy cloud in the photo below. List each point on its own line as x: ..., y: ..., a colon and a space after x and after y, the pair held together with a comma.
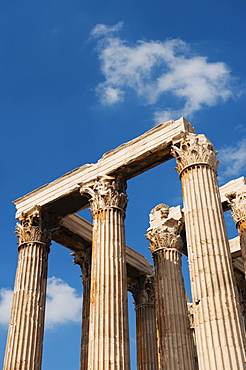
x: 5, y: 305
x: 156, y: 70
x: 63, y: 304
x: 232, y: 160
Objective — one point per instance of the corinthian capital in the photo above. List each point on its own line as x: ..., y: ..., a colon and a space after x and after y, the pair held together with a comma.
x: 238, y: 206
x: 35, y: 227
x: 83, y: 259
x: 142, y: 290
x: 108, y: 192
x: 165, y: 227
x: 194, y: 150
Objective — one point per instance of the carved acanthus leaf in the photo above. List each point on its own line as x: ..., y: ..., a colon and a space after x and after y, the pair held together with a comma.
x: 238, y: 206
x: 83, y: 259
x: 160, y: 238
x: 165, y: 226
x: 194, y: 149
x: 142, y: 290
x: 109, y: 192
x: 35, y: 227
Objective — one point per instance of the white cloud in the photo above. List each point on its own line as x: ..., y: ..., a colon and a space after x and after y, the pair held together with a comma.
x: 232, y: 160
x: 102, y: 29
x: 5, y: 305
x: 157, y: 69
x: 63, y: 304
x: 109, y: 95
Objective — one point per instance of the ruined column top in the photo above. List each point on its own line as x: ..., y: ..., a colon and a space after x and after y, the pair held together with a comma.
x: 163, y: 215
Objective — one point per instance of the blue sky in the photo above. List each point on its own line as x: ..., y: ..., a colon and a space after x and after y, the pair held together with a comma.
x: 79, y: 78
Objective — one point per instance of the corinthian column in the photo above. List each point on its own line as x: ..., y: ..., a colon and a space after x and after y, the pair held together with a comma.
x: 176, y: 346
x: 108, y: 331
x: 26, y: 327
x: 218, y: 326
x: 83, y: 259
x: 143, y: 294
x: 238, y: 207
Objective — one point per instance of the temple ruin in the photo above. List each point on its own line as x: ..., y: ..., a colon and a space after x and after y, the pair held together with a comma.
x: 171, y: 333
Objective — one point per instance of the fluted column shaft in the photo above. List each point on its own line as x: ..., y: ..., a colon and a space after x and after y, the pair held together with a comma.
x: 85, y: 325
x: 108, y: 324
x: 237, y: 201
x: 26, y: 327
x: 176, y: 344
x: 146, y: 338
x: 241, y: 286
x: 218, y: 326
x: 83, y: 259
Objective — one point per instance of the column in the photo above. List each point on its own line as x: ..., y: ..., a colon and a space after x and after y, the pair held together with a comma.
x: 176, y: 345
x: 142, y: 290
x: 192, y: 328
x: 83, y: 259
x: 241, y: 286
x: 26, y: 327
x: 238, y: 206
x: 218, y: 326
x: 108, y: 323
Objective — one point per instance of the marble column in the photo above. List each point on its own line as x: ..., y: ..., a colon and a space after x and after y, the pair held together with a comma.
x: 108, y: 322
x: 176, y: 345
x: 238, y: 206
x: 241, y: 286
x: 83, y: 259
x: 218, y: 326
x: 142, y: 290
x: 26, y: 327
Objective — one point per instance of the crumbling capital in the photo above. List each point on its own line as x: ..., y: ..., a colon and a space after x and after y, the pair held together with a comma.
x: 165, y: 227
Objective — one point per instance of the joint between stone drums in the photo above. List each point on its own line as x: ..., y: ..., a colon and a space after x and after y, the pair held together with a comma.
x: 108, y: 208
x: 166, y: 249
x: 22, y: 245
x: 144, y: 304
x: 187, y: 168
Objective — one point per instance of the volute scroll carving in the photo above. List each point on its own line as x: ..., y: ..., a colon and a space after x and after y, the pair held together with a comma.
x: 142, y: 290
x: 35, y: 227
x: 194, y: 150
x: 160, y: 239
x: 83, y: 259
x: 238, y: 206
x: 107, y: 192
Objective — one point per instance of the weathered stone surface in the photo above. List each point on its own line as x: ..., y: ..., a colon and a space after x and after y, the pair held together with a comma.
x: 108, y: 323
x: 216, y: 309
x: 232, y: 186
x: 26, y: 327
x: 62, y: 196
x: 237, y: 201
x: 218, y: 327
x: 75, y: 233
x: 142, y: 290
x: 83, y: 259
x: 176, y: 347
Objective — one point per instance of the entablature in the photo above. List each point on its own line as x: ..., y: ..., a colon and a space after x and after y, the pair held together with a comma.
x: 62, y: 196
